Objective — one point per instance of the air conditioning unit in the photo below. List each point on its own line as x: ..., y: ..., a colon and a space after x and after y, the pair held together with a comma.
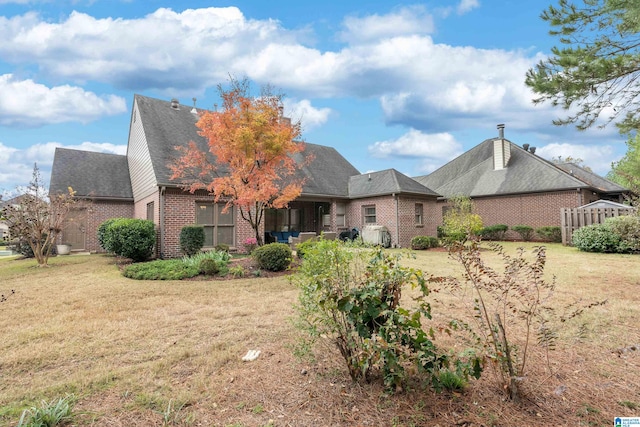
x: 376, y: 235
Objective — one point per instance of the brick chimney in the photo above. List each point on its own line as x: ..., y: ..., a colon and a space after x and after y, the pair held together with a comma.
x: 501, y: 150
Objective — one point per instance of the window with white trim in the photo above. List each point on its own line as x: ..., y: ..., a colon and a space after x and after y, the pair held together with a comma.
x: 369, y: 214
x: 419, y: 213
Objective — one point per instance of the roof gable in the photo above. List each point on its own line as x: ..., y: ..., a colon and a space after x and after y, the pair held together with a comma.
x: 328, y: 172
x: 166, y: 127
x: 473, y: 174
x: 385, y: 182
x: 90, y: 174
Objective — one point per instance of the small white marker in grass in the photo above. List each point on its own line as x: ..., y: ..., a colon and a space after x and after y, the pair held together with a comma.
x: 251, y: 355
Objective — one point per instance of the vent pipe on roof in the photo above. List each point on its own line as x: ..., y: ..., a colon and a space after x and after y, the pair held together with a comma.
x: 194, y: 110
x: 526, y: 147
x: 501, y: 131
x: 175, y: 104
x: 532, y: 150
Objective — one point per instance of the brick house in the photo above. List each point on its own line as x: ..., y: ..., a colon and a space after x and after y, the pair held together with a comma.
x: 335, y: 196
x: 509, y: 184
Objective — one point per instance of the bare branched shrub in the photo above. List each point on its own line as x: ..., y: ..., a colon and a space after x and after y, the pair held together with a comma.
x: 516, y: 299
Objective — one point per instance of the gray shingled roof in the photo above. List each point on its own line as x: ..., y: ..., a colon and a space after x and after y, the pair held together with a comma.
x: 91, y: 174
x: 327, y: 175
x: 385, y: 182
x: 595, y: 181
x: 472, y: 174
x: 165, y: 128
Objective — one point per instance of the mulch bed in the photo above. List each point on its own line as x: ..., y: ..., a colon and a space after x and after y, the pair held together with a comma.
x: 251, y: 270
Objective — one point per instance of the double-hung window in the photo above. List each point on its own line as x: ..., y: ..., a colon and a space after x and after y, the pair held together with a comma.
x: 419, y: 213
x: 219, y: 225
x: 341, y: 213
x: 369, y: 214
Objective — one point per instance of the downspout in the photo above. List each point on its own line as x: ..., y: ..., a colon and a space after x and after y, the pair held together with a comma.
x: 395, y: 196
x: 163, y: 189
x: 580, y: 197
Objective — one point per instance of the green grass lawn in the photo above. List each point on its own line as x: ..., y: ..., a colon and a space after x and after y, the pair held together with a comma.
x: 140, y: 353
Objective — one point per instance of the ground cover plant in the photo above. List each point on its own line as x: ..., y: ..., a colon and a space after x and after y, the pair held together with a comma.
x: 156, y: 353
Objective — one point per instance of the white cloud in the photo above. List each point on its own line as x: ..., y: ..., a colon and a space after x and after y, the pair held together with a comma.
x: 302, y: 110
x: 421, y: 84
x: 404, y: 21
x: 17, y: 164
x: 467, y: 5
x: 158, y: 51
x: 391, y: 57
x: 433, y: 149
x: 597, y: 157
x: 27, y: 103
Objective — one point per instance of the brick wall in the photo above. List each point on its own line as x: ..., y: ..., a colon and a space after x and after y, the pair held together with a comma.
x: 408, y: 228
x: 386, y: 215
x: 180, y: 210
x: 535, y: 210
x: 100, y: 211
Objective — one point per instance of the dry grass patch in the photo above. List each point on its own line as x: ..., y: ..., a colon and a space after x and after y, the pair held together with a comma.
x: 142, y: 353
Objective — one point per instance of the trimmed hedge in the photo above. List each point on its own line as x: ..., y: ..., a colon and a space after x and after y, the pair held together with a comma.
x: 525, y: 231
x: 494, y: 232
x: 550, y: 233
x: 424, y: 242
x: 130, y: 238
x: 273, y: 257
x: 191, y: 239
x: 103, y: 240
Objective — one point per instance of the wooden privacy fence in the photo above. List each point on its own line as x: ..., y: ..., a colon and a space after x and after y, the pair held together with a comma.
x: 574, y: 218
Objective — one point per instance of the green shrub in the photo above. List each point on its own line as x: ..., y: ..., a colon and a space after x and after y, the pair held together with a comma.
x: 222, y: 247
x: 130, y: 238
x: 424, y: 242
x: 273, y: 257
x: 596, y: 238
x: 209, y: 266
x: 49, y: 414
x: 191, y: 239
x: 494, y: 232
x: 301, y: 248
x: 102, y: 234
x: 237, y: 271
x: 451, y: 380
x: 222, y: 258
x: 628, y: 228
x: 173, y: 269
x: 525, y: 232
x: 550, y: 233
x: 23, y: 247
x: 460, y: 221
x: 352, y: 298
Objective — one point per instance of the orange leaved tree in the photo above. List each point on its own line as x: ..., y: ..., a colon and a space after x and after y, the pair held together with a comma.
x: 249, y: 160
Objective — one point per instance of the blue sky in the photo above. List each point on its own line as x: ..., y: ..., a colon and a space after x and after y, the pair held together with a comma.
x: 404, y: 85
